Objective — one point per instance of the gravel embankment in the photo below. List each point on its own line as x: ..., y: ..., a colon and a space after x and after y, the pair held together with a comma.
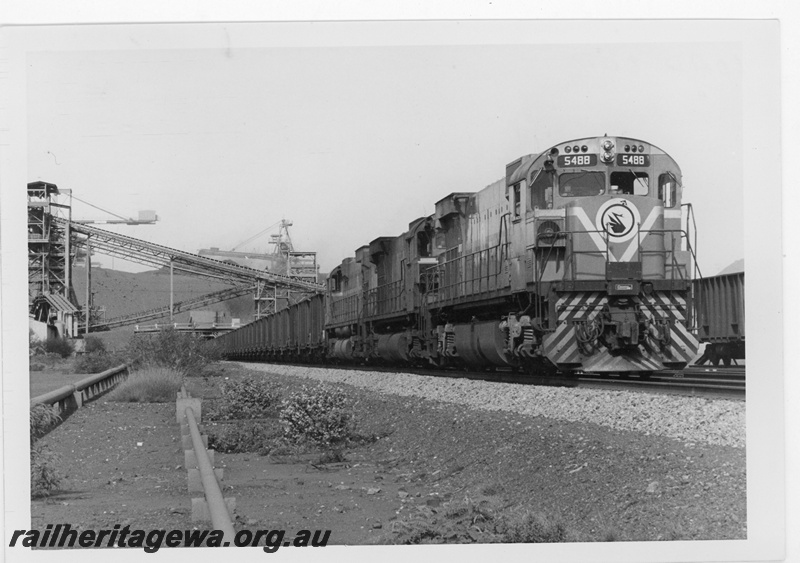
x: 691, y: 419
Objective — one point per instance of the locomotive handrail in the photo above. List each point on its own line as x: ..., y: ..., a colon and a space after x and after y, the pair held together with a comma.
x: 573, y: 253
x: 466, y: 285
x: 554, y: 237
x: 692, y: 244
x: 385, y: 299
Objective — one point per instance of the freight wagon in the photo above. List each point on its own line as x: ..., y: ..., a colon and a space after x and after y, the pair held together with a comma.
x: 719, y: 317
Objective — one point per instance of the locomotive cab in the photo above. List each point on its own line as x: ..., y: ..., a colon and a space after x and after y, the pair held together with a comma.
x: 618, y: 299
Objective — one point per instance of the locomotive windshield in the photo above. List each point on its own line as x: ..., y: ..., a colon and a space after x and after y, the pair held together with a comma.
x: 629, y: 182
x: 578, y: 184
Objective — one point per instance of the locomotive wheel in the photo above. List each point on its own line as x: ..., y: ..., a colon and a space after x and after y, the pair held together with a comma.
x: 713, y: 356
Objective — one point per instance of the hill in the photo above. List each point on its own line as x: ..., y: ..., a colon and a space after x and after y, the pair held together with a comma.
x: 123, y: 293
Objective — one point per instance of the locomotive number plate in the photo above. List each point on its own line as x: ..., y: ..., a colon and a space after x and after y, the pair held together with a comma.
x: 633, y: 160
x: 568, y: 160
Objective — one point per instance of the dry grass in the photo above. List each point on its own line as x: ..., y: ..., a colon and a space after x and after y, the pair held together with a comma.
x: 149, y: 385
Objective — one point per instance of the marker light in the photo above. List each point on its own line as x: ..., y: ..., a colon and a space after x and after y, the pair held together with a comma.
x: 633, y: 148
x: 641, y: 148
x: 567, y: 149
x: 627, y: 148
x: 584, y: 148
x: 608, y: 145
x: 576, y: 148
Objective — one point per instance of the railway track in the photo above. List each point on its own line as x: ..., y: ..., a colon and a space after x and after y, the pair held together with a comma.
x: 719, y: 382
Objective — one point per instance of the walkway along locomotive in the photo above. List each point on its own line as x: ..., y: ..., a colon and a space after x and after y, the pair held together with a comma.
x: 576, y: 260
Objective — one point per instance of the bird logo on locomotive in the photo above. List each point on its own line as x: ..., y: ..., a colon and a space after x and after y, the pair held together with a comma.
x: 618, y: 219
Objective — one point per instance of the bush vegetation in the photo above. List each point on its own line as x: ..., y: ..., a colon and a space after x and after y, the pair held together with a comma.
x: 319, y: 415
x: 477, y: 521
x: 45, y: 476
x: 42, y: 419
x: 94, y: 345
x: 35, y: 344
x: 249, y: 397
x: 249, y: 437
x: 96, y: 362
x: 60, y: 346
x: 172, y: 349
x: 531, y: 527
x: 148, y: 385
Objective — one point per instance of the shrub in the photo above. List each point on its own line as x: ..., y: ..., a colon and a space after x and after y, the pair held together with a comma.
x: 149, y: 385
x: 42, y: 418
x: 212, y: 370
x: 255, y: 437
x: 458, y: 521
x: 35, y: 345
x: 250, y: 397
x: 172, y: 349
x: 535, y: 528
x: 94, y: 345
x: 61, y: 346
x: 96, y: 362
x: 319, y: 415
x: 45, y: 477
x: 477, y: 521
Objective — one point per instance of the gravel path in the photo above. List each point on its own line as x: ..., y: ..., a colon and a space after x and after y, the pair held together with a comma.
x: 690, y: 419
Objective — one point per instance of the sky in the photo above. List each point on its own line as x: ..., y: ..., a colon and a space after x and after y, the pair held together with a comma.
x: 352, y: 142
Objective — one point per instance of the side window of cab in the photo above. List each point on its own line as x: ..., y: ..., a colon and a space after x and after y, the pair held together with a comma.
x: 514, y: 197
x: 541, y: 193
x: 667, y: 189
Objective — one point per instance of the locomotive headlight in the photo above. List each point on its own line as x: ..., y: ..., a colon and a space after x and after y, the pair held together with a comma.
x: 608, y: 145
x: 608, y: 157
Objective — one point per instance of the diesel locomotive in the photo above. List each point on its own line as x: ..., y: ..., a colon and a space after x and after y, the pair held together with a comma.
x: 579, y: 259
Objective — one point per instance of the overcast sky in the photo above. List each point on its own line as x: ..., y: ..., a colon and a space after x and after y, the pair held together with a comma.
x: 354, y: 142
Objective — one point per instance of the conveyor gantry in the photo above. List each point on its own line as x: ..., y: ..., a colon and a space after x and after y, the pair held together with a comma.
x: 151, y: 254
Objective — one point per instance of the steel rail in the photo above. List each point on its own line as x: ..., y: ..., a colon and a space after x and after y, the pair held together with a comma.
x: 220, y: 517
x: 668, y: 382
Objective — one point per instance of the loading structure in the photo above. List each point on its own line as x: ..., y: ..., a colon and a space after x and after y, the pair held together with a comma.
x: 55, y: 239
x: 242, y: 278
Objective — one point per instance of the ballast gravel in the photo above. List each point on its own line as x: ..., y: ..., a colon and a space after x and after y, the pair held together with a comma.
x: 690, y: 419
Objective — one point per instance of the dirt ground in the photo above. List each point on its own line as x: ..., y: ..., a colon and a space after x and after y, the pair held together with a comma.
x: 124, y: 464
